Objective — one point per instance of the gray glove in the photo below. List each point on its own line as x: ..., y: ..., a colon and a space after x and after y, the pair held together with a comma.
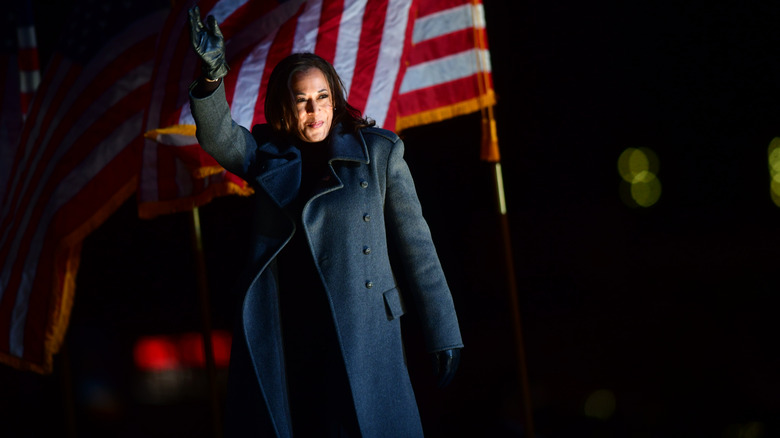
x: 209, y: 44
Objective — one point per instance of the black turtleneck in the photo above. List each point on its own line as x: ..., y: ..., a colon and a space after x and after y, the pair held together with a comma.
x: 320, y: 402
x: 314, y: 166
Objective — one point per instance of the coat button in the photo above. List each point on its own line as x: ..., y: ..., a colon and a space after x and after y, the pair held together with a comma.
x: 366, y: 217
x: 369, y: 285
x: 366, y: 250
x: 364, y: 184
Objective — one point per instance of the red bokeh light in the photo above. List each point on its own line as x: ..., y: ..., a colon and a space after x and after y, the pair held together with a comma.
x: 167, y: 352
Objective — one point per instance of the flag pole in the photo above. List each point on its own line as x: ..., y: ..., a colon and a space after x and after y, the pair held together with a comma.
x: 490, y: 153
x: 66, y: 388
x: 203, y: 298
x: 513, y: 299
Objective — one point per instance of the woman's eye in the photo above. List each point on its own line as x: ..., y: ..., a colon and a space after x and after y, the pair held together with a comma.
x: 323, y: 96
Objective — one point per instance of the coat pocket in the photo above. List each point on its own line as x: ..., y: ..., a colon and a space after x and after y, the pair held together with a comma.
x: 394, y: 306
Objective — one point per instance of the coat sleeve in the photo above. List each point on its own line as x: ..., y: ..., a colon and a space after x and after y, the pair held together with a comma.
x: 421, y: 267
x: 232, y: 145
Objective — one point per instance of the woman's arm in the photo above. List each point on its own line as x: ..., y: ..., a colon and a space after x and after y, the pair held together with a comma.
x: 203, y: 87
x: 230, y: 144
x: 421, y: 266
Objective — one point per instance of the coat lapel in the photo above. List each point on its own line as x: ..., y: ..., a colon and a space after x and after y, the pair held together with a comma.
x: 346, y: 146
x: 280, y: 172
x: 280, y: 175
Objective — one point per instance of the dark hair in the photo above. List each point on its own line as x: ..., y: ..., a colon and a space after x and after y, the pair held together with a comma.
x: 280, y: 112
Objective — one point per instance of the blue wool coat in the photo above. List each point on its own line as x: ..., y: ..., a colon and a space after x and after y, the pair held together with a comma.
x: 368, y: 203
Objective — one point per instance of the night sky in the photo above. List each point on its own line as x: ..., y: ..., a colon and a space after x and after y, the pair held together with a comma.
x: 667, y: 308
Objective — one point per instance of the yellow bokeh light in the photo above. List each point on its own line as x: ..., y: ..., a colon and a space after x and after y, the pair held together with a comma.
x: 646, y: 193
x: 631, y: 162
x: 644, y: 176
x: 639, y: 166
x: 754, y: 429
x: 774, y: 160
x: 774, y: 146
x: 773, y: 154
x: 775, y: 191
x: 652, y: 160
x: 600, y: 404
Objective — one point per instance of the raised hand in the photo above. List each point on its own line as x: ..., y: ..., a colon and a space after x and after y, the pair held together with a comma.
x: 209, y: 44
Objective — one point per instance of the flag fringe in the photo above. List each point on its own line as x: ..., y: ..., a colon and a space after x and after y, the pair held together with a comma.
x: 446, y: 112
x: 167, y: 136
x: 150, y: 210
x: 489, y: 151
x: 206, y: 171
x: 159, y: 134
x: 23, y: 365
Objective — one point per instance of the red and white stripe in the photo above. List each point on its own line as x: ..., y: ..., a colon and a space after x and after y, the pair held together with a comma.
x: 448, y: 63
x: 29, y: 71
x: 78, y: 154
x: 393, y: 64
x: 20, y: 76
x: 76, y: 163
x: 363, y: 39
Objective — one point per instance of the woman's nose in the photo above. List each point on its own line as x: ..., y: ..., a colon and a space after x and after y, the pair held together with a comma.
x: 311, y: 106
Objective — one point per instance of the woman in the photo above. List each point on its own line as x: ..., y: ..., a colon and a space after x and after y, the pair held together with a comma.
x: 318, y: 350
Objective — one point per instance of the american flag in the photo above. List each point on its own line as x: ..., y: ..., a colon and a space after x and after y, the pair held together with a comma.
x: 29, y: 72
x: 403, y: 62
x: 113, y: 102
x: 448, y: 64
x: 76, y: 161
x: 20, y: 75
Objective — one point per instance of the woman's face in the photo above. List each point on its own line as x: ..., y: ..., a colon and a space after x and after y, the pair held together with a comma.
x: 314, y: 103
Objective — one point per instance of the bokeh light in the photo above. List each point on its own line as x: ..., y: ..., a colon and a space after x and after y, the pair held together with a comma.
x: 600, y: 404
x: 753, y: 429
x: 639, y: 168
x: 170, y: 352
x: 156, y: 353
x: 774, y: 170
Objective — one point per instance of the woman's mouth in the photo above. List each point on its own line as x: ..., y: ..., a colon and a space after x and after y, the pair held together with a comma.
x: 315, y: 125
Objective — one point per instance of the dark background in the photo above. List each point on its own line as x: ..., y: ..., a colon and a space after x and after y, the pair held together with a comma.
x: 670, y: 308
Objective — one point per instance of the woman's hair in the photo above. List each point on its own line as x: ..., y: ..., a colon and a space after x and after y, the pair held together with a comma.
x: 280, y: 110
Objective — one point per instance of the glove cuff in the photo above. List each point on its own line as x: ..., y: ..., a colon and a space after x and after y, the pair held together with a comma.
x: 216, y: 70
